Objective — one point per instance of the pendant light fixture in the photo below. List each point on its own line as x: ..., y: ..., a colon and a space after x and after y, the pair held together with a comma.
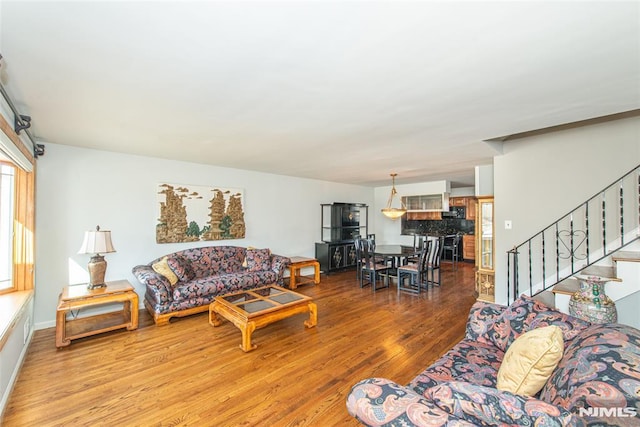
x: 390, y: 212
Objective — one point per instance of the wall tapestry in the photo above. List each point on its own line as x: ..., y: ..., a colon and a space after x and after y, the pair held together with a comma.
x: 192, y: 213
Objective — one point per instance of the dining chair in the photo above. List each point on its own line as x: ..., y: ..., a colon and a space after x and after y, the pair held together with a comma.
x: 418, y: 243
x: 372, y: 270
x: 357, y: 244
x: 433, y: 260
x: 452, y: 245
x: 371, y: 243
x: 416, y: 272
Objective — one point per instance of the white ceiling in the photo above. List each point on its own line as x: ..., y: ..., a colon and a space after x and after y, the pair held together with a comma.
x: 345, y: 91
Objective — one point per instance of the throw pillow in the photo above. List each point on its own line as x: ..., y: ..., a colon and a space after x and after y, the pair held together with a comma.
x: 181, y: 268
x: 162, y: 267
x: 258, y: 260
x: 530, y: 361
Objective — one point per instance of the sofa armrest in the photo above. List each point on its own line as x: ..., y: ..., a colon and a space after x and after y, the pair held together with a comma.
x: 157, y: 286
x: 481, y: 405
x: 383, y: 403
x: 278, y: 264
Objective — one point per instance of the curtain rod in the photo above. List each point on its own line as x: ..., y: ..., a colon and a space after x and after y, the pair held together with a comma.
x: 21, y: 122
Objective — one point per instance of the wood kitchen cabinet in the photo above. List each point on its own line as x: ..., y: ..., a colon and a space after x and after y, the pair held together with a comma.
x: 471, y: 209
x: 469, y: 247
x: 469, y: 203
x: 457, y: 201
x: 422, y: 216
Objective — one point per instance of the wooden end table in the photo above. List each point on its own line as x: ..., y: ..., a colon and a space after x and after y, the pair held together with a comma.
x: 75, y: 297
x: 253, y: 309
x: 297, y: 263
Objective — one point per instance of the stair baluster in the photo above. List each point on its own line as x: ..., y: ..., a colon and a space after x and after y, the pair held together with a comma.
x: 574, y: 240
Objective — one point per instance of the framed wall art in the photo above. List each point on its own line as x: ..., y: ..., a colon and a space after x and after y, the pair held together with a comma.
x: 190, y: 213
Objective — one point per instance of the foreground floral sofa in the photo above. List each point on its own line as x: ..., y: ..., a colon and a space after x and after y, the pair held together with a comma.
x: 202, y: 274
x: 600, y: 368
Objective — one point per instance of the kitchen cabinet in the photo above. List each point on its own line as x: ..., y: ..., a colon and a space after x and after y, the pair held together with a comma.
x: 471, y: 209
x: 427, y: 202
x: 458, y: 201
x: 469, y: 203
x: 421, y: 216
x: 469, y: 247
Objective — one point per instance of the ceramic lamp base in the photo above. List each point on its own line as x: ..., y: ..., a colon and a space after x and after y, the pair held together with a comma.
x: 97, y: 268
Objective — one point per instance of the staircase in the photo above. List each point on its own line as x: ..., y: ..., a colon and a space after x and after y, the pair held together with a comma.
x: 600, y: 237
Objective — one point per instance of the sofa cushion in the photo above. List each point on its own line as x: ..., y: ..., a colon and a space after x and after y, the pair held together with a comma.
x: 600, y: 368
x: 222, y: 284
x: 468, y: 361
x: 486, y: 406
x: 181, y: 267
x: 525, y: 314
x: 162, y: 267
x: 258, y: 259
x: 530, y: 361
x: 213, y: 260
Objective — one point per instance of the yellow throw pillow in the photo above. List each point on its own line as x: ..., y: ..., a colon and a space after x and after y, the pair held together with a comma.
x: 530, y: 361
x: 162, y: 267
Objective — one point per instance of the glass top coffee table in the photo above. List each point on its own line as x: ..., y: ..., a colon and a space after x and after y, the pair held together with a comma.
x: 255, y: 308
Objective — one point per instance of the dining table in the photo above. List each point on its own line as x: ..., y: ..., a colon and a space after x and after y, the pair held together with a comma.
x: 396, y: 253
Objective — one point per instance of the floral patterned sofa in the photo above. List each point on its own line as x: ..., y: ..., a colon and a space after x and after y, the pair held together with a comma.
x: 202, y: 274
x: 600, y: 368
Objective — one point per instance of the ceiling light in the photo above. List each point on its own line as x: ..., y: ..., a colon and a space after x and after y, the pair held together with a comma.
x: 390, y: 212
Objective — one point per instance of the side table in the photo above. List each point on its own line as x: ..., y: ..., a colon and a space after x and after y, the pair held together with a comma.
x: 76, y: 297
x: 297, y: 263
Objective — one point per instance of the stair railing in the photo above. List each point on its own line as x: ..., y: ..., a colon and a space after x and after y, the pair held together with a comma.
x: 605, y: 223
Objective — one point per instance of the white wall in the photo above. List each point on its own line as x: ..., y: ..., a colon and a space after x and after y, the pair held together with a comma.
x: 78, y: 188
x: 484, y: 180
x: 541, y: 178
x: 463, y: 192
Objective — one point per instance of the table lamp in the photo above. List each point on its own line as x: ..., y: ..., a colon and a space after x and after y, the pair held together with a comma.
x: 95, y: 243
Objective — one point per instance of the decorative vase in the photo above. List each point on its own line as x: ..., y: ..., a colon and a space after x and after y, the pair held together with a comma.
x: 591, y: 303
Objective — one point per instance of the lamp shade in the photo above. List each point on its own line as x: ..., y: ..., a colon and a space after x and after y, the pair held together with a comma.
x: 97, y: 242
x: 393, y: 213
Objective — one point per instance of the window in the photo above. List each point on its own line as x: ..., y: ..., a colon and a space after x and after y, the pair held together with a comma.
x: 7, y: 212
x: 17, y: 211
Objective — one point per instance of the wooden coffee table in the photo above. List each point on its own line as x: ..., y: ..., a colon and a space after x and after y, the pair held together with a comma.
x: 253, y: 309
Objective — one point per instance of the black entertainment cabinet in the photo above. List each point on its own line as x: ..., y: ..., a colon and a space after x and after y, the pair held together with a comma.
x: 340, y: 224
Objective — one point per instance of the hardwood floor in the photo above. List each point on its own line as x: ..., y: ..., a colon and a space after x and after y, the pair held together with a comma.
x: 189, y: 373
